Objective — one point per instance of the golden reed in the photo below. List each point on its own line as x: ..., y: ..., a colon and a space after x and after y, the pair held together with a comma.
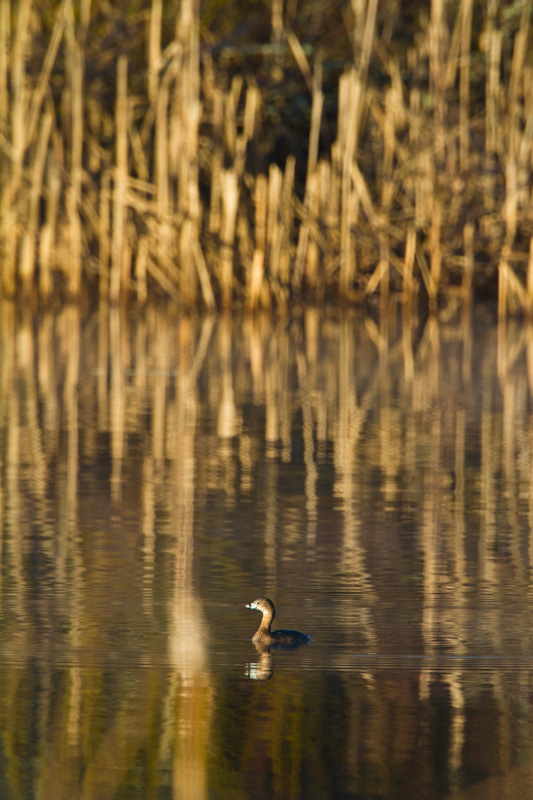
x: 424, y: 191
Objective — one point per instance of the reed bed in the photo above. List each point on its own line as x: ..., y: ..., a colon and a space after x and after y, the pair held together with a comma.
x: 131, y: 172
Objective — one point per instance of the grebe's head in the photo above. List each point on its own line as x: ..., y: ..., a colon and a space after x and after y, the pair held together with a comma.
x: 262, y: 604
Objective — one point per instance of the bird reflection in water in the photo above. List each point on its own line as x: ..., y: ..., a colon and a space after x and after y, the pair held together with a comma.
x: 266, y: 640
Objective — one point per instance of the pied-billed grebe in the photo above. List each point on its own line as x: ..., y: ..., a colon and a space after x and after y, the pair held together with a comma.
x: 264, y: 636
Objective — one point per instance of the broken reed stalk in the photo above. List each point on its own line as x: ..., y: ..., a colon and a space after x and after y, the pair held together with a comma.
x: 256, y: 272
x: 274, y: 193
x: 230, y: 201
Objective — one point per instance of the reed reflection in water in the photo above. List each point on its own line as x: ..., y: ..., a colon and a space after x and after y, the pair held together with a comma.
x: 372, y: 475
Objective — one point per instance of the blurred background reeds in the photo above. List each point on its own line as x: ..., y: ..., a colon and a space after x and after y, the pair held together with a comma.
x: 257, y: 155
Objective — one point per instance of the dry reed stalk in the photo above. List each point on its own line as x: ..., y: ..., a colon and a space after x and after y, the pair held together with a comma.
x: 362, y: 193
x: 326, y: 213
x: 245, y: 246
x: 381, y: 274
x: 311, y: 193
x: 261, y: 205
x: 127, y: 257
x: 349, y: 99
x: 510, y: 206
x: 389, y: 143
x: 513, y: 132
x: 453, y: 61
x: 493, y: 40
x: 409, y: 261
x: 19, y: 88
x: 529, y: 282
x: 437, y: 40
x: 48, y: 231
x: 251, y: 112
x: 154, y: 49
x: 9, y: 229
x: 186, y: 116
x: 512, y: 297
x: 312, y: 257
x: 334, y: 198
x: 277, y: 20
x: 526, y: 143
x: 424, y: 180
x: 29, y: 237
x: 203, y: 276
x: 43, y: 83
x: 328, y: 202
x: 254, y: 283
x: 423, y: 266
x: 104, y: 248
x: 464, y: 84
x: 300, y: 58
x: 217, y: 162
x: 162, y: 278
x: 230, y: 116
x: 365, y: 34
x: 520, y: 46
x: 120, y: 178
x: 187, y: 272
x: 162, y: 167
x: 435, y: 249
x: 139, y: 156
x: 281, y: 248
x: 5, y: 37
x: 75, y: 66
x: 275, y: 179
x: 141, y: 260
x: 415, y: 121
x: 230, y: 200
x: 278, y: 225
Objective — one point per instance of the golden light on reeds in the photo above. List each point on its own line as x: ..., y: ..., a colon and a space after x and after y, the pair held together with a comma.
x: 423, y: 186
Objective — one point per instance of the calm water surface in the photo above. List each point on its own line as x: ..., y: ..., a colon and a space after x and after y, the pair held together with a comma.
x: 373, y: 477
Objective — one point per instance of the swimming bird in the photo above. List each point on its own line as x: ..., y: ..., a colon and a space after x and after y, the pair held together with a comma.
x: 265, y: 637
